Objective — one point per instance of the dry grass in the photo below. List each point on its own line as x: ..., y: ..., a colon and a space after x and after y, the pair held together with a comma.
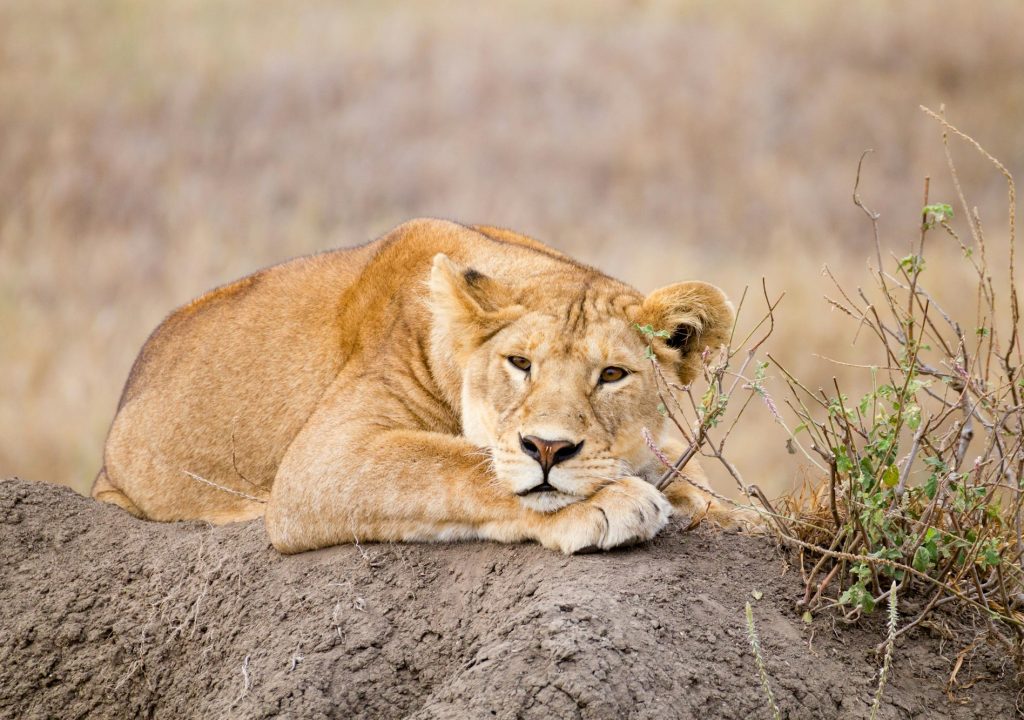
x: 149, y: 151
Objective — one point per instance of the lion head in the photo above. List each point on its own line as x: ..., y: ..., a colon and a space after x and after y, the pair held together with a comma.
x: 556, y: 379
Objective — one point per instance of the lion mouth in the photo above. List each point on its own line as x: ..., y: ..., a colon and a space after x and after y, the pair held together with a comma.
x: 542, y: 488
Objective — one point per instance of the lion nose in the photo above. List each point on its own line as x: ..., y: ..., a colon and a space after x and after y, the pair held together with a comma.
x: 549, y: 452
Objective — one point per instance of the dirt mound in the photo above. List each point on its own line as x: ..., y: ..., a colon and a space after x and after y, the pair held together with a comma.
x: 107, y: 616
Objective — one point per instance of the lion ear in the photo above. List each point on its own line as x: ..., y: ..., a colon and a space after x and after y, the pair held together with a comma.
x: 468, y: 307
x: 696, y: 315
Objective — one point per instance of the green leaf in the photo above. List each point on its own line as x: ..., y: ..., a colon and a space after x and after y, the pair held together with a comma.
x: 992, y: 512
x: 990, y: 554
x: 649, y: 331
x: 890, y: 476
x: 936, y: 213
x: 912, y: 416
x: 923, y: 559
x: 843, y: 462
x: 867, y: 602
x: 943, y: 211
x: 913, y: 264
x: 762, y: 368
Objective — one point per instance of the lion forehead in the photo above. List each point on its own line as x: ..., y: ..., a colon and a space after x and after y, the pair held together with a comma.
x: 575, y: 330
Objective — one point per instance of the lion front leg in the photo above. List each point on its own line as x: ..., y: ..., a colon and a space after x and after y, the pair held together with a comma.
x: 351, y: 483
x: 356, y: 484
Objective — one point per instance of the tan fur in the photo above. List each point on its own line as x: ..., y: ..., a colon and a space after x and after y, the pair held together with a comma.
x: 366, y: 394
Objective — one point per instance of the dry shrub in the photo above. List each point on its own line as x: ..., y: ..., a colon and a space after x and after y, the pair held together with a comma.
x: 921, y: 458
x: 925, y: 464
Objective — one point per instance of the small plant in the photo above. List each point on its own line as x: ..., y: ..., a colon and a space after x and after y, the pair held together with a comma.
x: 762, y: 670
x: 925, y: 466
x: 883, y: 673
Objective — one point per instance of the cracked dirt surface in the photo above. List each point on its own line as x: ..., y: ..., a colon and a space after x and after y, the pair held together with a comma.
x: 103, y: 615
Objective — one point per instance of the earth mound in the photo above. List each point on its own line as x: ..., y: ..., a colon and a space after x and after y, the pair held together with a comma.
x: 103, y: 615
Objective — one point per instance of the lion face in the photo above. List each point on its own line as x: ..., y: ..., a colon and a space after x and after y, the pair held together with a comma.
x: 556, y: 382
x: 562, y: 414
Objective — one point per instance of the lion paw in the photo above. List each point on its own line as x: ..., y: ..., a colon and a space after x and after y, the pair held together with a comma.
x: 625, y: 512
x: 738, y: 520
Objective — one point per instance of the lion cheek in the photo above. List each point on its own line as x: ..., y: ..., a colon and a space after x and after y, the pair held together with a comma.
x: 479, y: 419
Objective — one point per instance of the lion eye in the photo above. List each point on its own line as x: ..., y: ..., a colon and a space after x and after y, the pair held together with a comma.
x: 520, y: 362
x: 613, y: 374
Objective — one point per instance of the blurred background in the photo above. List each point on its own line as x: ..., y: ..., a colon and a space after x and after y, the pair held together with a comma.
x: 150, y: 151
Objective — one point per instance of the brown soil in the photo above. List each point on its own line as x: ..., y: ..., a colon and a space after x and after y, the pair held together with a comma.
x: 107, y: 616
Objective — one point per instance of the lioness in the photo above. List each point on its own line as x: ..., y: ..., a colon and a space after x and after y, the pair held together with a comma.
x: 439, y: 383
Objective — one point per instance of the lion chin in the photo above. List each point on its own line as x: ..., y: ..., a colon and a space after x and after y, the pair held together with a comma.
x: 371, y: 393
x: 548, y: 502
